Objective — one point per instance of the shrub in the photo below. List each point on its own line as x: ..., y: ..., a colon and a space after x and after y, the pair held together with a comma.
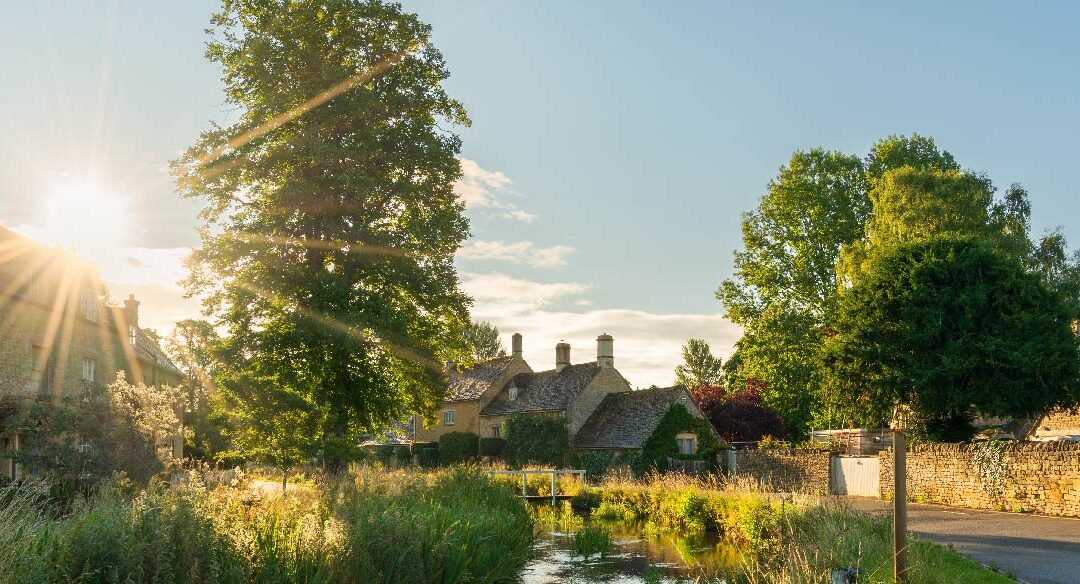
x: 492, y: 446
x: 427, y: 454
x: 595, y: 463
x: 535, y: 440
x: 458, y: 447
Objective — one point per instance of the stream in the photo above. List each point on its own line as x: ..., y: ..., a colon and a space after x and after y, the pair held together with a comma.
x: 636, y: 556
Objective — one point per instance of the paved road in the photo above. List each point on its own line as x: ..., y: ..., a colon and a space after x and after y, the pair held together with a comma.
x: 1038, y: 549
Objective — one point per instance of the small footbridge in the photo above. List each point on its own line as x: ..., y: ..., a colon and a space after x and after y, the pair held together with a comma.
x: 554, y: 473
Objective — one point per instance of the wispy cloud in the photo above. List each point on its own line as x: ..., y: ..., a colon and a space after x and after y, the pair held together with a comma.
x: 506, y: 295
x: 518, y: 252
x: 490, y: 190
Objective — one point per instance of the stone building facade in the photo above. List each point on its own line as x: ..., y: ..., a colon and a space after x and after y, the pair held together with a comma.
x: 583, y: 395
x: 59, y: 337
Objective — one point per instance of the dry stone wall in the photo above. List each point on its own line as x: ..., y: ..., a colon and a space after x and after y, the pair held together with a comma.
x: 796, y: 470
x: 1030, y: 477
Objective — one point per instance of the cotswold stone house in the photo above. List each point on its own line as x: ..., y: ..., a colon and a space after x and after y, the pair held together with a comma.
x: 59, y: 338
x: 594, y: 400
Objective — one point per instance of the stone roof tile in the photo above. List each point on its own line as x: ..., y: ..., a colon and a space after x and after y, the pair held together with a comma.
x: 626, y: 419
x: 544, y: 391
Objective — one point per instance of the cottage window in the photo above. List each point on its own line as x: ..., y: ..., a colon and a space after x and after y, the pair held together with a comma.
x: 448, y: 418
x: 133, y: 334
x: 89, y: 304
x: 687, y: 443
x: 513, y: 392
x: 89, y: 370
x: 40, y: 374
x: 495, y: 431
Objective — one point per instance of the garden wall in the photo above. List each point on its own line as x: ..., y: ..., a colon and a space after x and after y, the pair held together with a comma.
x: 801, y: 470
x: 1032, y: 476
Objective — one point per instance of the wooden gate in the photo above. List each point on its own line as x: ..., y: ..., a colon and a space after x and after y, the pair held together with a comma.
x: 857, y: 476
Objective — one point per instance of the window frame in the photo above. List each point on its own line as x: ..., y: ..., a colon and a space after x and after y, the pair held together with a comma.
x: 688, y: 438
x: 449, y: 418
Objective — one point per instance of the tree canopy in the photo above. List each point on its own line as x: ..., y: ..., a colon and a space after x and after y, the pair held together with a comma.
x: 946, y: 328
x: 482, y: 340
x: 699, y: 366
x: 820, y: 225
x: 330, y: 223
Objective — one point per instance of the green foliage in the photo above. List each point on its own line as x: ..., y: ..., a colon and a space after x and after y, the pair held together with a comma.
x: 482, y: 340
x: 699, y: 367
x: 331, y: 223
x: 191, y: 347
x: 458, y: 447
x: 948, y: 328
x: 455, y: 526
x: 988, y: 458
x: 535, y: 440
x: 77, y: 440
x: 661, y: 443
x: 595, y: 463
x: 590, y: 541
x: 492, y: 446
x: 814, y: 233
x: 428, y: 455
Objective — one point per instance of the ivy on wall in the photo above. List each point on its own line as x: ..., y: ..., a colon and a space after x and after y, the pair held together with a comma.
x: 661, y: 444
x: 988, y: 458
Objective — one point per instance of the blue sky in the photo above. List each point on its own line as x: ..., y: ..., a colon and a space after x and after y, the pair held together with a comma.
x: 614, y: 144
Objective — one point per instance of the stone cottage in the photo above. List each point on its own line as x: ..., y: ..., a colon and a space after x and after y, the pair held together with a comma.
x: 599, y: 408
x: 58, y: 337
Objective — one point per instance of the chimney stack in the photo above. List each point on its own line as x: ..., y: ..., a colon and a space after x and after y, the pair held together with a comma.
x: 605, y: 350
x: 562, y: 356
x: 131, y: 311
x: 515, y: 344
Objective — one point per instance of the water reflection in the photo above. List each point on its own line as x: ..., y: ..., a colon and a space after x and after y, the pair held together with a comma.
x: 638, y: 555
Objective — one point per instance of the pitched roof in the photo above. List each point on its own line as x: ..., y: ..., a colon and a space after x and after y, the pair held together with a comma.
x: 472, y: 382
x: 545, y: 390
x: 626, y: 419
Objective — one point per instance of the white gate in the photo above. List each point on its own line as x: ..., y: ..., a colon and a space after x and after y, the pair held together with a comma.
x: 857, y: 476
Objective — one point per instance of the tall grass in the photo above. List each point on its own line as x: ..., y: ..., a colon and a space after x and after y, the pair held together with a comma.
x: 447, y: 527
x: 792, y: 539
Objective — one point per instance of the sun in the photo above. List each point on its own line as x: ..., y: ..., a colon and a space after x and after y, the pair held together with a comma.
x: 83, y: 216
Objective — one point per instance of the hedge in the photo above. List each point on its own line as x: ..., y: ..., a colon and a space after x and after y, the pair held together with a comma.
x: 535, y: 440
x: 492, y: 446
x: 457, y: 447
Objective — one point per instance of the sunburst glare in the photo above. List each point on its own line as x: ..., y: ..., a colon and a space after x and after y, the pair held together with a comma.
x: 86, y: 217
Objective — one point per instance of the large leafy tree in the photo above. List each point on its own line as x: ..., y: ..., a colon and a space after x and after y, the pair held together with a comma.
x: 784, y: 287
x: 822, y: 220
x: 330, y: 218
x: 699, y: 366
x: 192, y: 348
x: 946, y: 328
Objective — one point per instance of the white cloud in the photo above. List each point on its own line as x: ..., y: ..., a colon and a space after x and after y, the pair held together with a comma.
x: 479, y: 188
x: 506, y: 295
x: 520, y: 215
x: 647, y: 345
x: 518, y: 252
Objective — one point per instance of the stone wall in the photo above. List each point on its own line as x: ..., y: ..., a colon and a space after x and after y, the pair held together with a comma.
x: 1030, y: 477
x: 798, y: 470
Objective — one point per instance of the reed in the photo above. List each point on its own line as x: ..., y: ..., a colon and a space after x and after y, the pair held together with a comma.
x: 368, y: 526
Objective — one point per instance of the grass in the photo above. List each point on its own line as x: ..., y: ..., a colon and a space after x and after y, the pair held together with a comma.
x: 589, y: 541
x: 790, y: 540
x: 449, y: 527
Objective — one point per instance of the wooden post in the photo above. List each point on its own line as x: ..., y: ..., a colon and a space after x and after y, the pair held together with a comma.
x: 524, y: 493
x: 554, y: 485
x: 899, y: 506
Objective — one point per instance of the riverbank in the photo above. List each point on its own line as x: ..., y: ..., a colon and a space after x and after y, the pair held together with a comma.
x: 786, y: 539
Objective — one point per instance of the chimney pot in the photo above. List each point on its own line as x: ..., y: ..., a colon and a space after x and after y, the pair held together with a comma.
x: 131, y: 311
x: 605, y: 350
x: 562, y: 356
x: 515, y: 343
